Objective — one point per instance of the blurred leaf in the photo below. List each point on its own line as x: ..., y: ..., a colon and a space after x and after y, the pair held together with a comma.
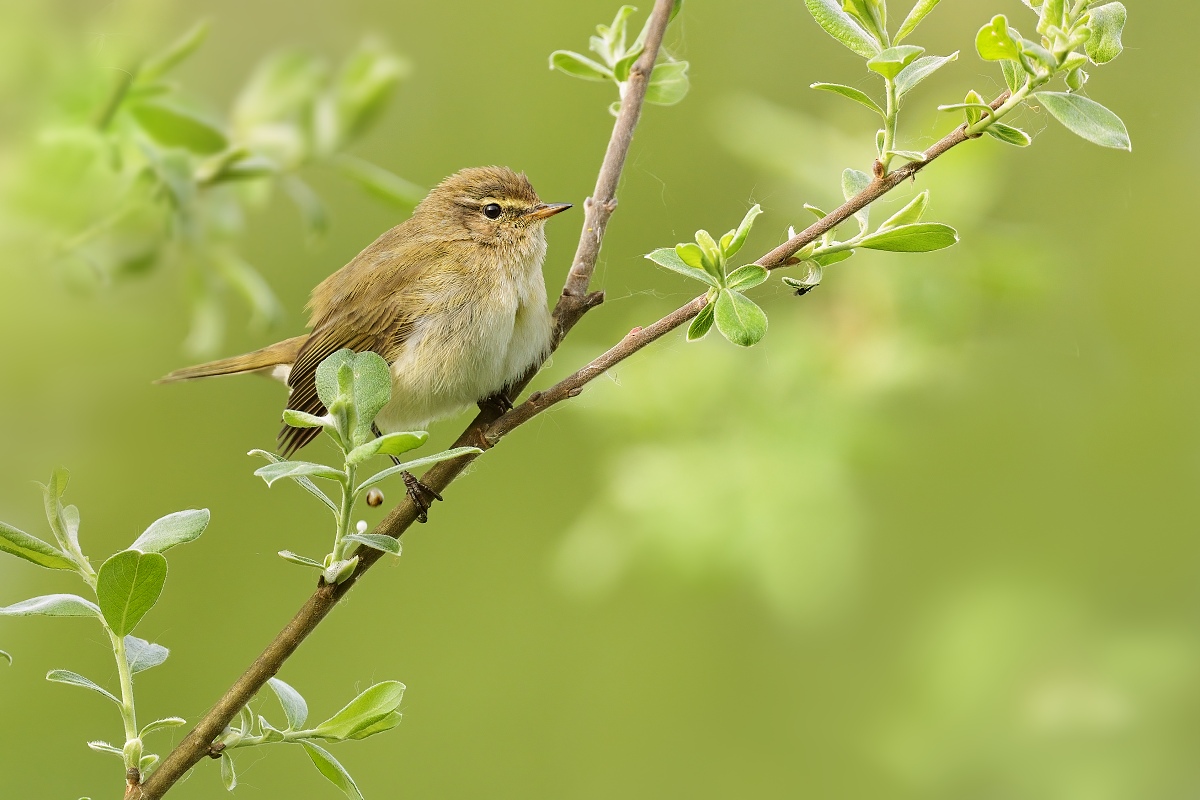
x: 364, y: 710
x: 294, y: 706
x: 228, y: 773
x: 854, y: 94
x: 362, y: 90
x: 668, y: 257
x: 127, y: 587
x: 251, y: 285
x: 377, y: 541
x: 308, y: 485
x: 312, y: 208
x: 855, y: 182
x: 32, y: 549
x: 160, y: 725
x: 893, y: 60
x: 176, y: 53
x: 1086, y: 118
x: 418, y: 463
x: 668, y: 83
x: 284, y: 85
x: 916, y: 238
x: 919, y: 70
x: 173, y: 529
x: 332, y: 770
x: 912, y: 212
x: 1108, y: 21
x: 380, y: 182
x: 1009, y: 134
x: 994, y: 42
x: 738, y: 319
x: 578, y: 66
x: 75, y: 679
x: 746, y: 277
x: 52, y: 605
x: 918, y: 13
x: 743, y: 231
x: 701, y: 324
x: 304, y: 561
x: 143, y: 655
x: 298, y: 469
x: 841, y: 26
x: 172, y: 126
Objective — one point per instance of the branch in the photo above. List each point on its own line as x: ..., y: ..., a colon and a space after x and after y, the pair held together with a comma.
x: 571, y: 306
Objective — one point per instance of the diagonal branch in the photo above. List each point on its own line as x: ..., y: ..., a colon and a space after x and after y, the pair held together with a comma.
x: 572, y: 305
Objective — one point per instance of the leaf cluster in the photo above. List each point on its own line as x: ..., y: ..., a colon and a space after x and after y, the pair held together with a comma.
x: 668, y: 83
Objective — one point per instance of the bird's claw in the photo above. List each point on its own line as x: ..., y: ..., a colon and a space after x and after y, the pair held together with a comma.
x: 498, y: 402
x: 421, y: 495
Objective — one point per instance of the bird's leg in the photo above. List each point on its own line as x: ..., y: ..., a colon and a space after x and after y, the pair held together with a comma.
x: 497, y: 402
x: 421, y: 495
x: 378, y: 433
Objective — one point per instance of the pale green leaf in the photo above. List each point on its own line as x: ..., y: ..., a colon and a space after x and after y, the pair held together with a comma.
x: 743, y: 231
x: 294, y: 706
x: 161, y: 725
x: 669, y: 258
x: 1014, y: 74
x: 173, y: 529
x: 919, y: 70
x: 308, y: 485
x: 856, y: 95
x: 668, y: 83
x: 994, y: 42
x: 1086, y: 118
x: 298, y: 469
x: 827, y: 259
x: 172, y: 126
x: 363, y: 711
x: 142, y: 655
x: 448, y: 455
x: 359, y: 93
x: 391, y: 444
x: 921, y: 237
x: 328, y: 766
x: 304, y: 561
x: 160, y: 64
x: 377, y: 541
x: 1009, y: 134
x: 912, y: 212
x: 918, y: 13
x: 32, y: 549
x: 52, y: 605
x: 379, y: 182
x: 1108, y: 21
x: 701, y: 324
x: 578, y: 66
x: 228, y: 772
x: 739, y: 320
x: 890, y: 62
x: 746, y: 277
x: 841, y: 26
x: 127, y: 587
x: 75, y: 679
x: 855, y: 182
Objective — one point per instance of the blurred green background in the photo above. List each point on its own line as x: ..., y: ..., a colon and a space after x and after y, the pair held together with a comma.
x: 934, y: 538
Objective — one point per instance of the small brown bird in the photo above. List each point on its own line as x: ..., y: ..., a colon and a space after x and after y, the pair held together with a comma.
x: 453, y: 299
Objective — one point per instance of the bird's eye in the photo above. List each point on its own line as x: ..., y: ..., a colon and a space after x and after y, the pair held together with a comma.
x: 492, y: 211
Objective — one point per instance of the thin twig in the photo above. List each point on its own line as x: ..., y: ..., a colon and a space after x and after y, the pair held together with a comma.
x: 571, y: 306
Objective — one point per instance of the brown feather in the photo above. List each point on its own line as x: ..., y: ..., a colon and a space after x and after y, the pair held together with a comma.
x: 278, y: 354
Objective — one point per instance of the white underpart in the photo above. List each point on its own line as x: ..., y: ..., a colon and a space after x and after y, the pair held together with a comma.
x: 280, y: 372
x: 456, y: 357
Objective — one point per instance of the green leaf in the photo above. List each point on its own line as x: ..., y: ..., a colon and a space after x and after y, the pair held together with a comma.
x: 1086, y: 118
x: 298, y: 469
x: 363, y: 711
x: 1009, y: 134
x: 299, y: 419
x: 701, y: 324
x: 578, y: 66
x: 339, y: 571
x: 161, y: 725
x: 379, y: 182
x: 856, y: 95
x: 1108, y: 22
x: 32, y: 549
x: 52, y: 494
x: 1053, y: 13
x: 304, y: 561
x: 127, y: 586
x: 285, y: 84
x: 313, y: 211
x: 892, y: 61
x: 377, y: 541
x: 1014, y: 74
x: 743, y: 231
x: 921, y: 237
x: 912, y: 212
x: 994, y: 42
x: 294, y: 706
x: 173, y: 529
x: 746, y: 277
x: 871, y: 14
x: 172, y: 126
x: 308, y: 485
x: 418, y: 463
x: 811, y: 280
x: 668, y: 83
x: 147, y: 762
x: 228, y: 773
x: 911, y: 155
x: 383, y: 725
x: 739, y: 320
x: 360, y: 92
x: 105, y: 747
x: 918, y: 13
x: 6, y: 657
x: 392, y: 444
x: 853, y: 183
x: 52, y: 605
x: 328, y: 766
x: 143, y: 655
x: 250, y: 284
x: 668, y: 257
x: 919, y: 70
x: 841, y: 26
x: 75, y: 679
x: 827, y: 259
x: 159, y: 65
x: 371, y: 386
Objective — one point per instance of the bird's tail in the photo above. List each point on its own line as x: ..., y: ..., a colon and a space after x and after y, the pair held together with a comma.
x: 279, y: 354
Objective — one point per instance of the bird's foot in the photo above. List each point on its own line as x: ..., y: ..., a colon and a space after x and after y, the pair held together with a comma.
x: 421, y: 495
x: 497, y: 402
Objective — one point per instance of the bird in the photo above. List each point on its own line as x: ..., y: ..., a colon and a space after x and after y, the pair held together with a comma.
x: 453, y: 298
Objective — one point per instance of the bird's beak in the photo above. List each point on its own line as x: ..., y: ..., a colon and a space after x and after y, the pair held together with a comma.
x: 546, y: 210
